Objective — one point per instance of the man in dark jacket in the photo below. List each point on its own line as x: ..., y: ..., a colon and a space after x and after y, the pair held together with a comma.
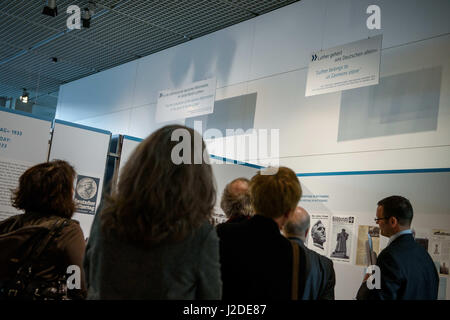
x: 256, y: 259
x: 319, y: 276
x: 407, y: 271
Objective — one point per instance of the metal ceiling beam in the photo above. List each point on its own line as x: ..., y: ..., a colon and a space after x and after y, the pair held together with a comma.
x: 37, y: 53
x: 240, y: 7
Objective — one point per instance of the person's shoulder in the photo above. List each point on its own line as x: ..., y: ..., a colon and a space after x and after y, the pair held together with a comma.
x: 204, y: 232
x: 319, y: 257
x: 232, y: 227
x: 325, y: 260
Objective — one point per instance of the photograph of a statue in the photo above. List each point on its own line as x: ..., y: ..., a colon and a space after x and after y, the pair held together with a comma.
x: 341, y: 245
x: 318, y: 234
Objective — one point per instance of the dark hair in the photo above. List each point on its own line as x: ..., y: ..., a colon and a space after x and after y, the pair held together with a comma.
x: 158, y: 201
x: 47, y: 189
x: 399, y: 207
x: 233, y: 203
x: 276, y: 194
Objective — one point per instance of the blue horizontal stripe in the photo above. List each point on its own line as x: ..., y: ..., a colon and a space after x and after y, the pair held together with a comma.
x: 26, y: 114
x: 246, y: 164
x: 352, y: 173
x: 342, y: 173
x: 132, y: 138
x: 76, y: 125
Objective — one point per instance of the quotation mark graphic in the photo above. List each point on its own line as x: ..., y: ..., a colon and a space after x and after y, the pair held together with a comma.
x: 314, y: 57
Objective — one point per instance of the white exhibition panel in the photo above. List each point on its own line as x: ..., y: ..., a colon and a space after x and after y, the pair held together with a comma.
x: 24, y: 142
x: 357, y: 194
x: 115, y: 122
x: 128, y: 146
x: 86, y: 149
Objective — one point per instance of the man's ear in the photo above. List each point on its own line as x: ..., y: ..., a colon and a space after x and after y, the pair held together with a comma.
x: 393, y: 221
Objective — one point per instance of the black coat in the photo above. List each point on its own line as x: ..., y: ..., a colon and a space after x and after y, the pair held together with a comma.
x: 318, y: 274
x: 407, y: 273
x: 256, y: 260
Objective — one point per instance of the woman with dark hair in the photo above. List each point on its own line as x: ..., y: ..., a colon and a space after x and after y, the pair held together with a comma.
x: 153, y: 237
x: 45, y: 194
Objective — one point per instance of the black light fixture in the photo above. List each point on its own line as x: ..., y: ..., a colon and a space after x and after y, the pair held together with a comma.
x: 86, y: 18
x: 50, y: 9
x: 25, y: 96
x: 87, y: 14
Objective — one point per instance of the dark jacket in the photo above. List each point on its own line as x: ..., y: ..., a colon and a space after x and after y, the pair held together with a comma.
x: 186, y: 270
x: 66, y: 249
x: 318, y: 272
x: 407, y: 273
x: 256, y: 260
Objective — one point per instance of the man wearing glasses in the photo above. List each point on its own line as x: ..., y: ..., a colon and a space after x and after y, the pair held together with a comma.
x: 407, y: 270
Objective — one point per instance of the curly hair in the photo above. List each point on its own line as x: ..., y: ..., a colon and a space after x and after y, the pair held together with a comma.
x: 158, y: 201
x: 239, y: 203
x: 46, y: 189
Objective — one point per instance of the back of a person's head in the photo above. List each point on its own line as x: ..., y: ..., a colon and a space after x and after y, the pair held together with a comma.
x: 275, y: 195
x: 399, y: 207
x: 46, y: 189
x: 159, y: 199
x: 298, y: 223
x: 236, y: 198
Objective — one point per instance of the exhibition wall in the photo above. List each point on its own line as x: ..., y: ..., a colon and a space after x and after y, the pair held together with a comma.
x: 24, y: 142
x: 86, y: 149
x: 269, y: 56
x: 355, y: 195
x: 403, y: 123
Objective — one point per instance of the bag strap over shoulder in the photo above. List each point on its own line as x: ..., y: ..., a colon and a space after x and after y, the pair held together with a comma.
x: 295, y: 266
x: 56, y: 229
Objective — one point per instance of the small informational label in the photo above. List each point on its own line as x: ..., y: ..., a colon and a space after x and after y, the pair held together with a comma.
x: 194, y: 100
x: 349, y: 66
x: 86, y: 192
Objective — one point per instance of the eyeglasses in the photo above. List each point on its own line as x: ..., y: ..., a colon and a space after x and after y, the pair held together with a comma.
x: 378, y: 219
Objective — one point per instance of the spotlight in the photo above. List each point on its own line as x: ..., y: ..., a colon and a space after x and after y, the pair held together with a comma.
x: 86, y: 18
x: 87, y: 14
x: 24, y: 97
x: 50, y: 9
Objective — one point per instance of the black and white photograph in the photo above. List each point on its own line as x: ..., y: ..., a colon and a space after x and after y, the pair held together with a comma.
x: 86, y: 191
x: 341, y: 237
x: 319, y: 233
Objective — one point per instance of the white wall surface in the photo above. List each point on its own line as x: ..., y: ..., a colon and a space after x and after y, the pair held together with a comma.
x: 86, y: 150
x: 269, y: 55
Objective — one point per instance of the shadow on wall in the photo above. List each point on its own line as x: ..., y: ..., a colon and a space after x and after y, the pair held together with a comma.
x: 206, y: 62
x: 403, y: 103
x: 232, y: 113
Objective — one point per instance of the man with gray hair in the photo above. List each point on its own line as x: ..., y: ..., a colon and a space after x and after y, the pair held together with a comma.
x: 318, y: 272
x: 235, y: 201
